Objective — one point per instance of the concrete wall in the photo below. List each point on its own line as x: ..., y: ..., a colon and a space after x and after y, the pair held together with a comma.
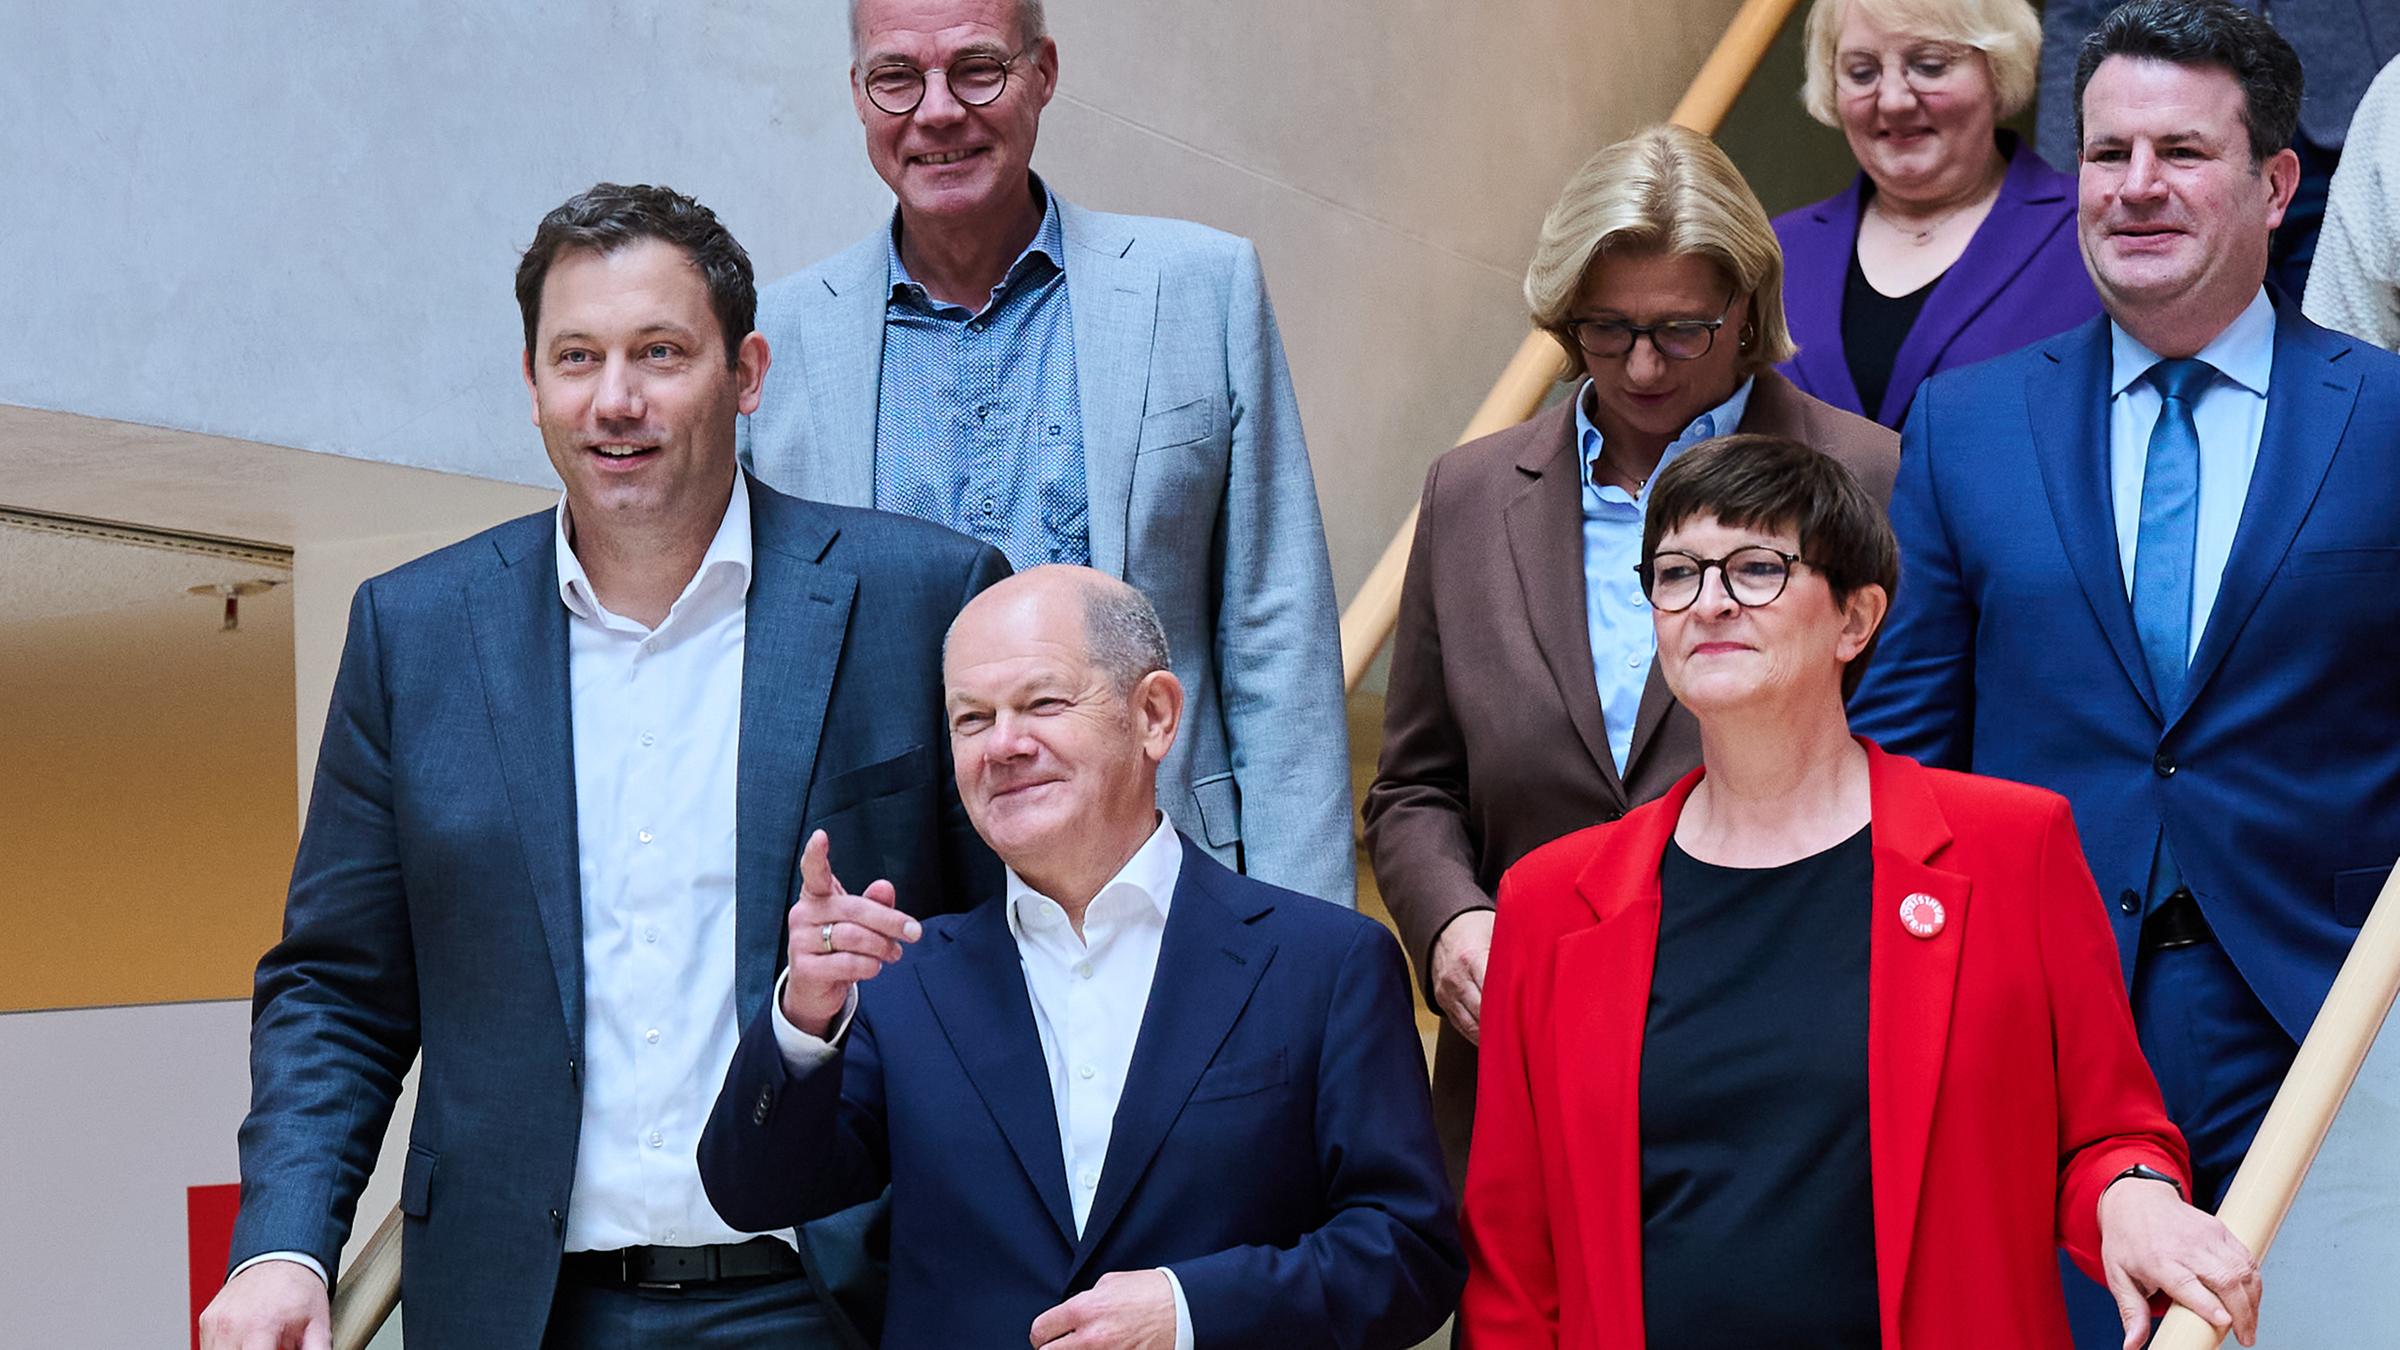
x: 295, y: 223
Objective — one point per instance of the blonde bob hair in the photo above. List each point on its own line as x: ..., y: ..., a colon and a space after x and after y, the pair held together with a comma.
x: 2007, y: 32
x: 1667, y: 189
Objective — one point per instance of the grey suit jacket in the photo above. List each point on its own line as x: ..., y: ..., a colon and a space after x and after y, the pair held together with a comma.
x: 1200, y: 495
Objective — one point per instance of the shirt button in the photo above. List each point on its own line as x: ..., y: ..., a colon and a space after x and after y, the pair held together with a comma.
x: 1090, y: 1179
x: 673, y: 1234
x: 657, y: 1140
x: 644, y: 836
x: 982, y: 411
x: 649, y: 739
x: 1634, y: 662
x: 651, y: 1035
x: 1085, y: 1072
x: 987, y: 506
x: 649, y: 935
x: 1084, y: 968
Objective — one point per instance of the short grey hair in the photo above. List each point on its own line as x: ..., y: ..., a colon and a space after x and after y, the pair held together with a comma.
x: 1122, y: 636
x: 1031, y: 27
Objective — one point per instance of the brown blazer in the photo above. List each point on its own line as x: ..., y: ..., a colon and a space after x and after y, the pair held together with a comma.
x: 1493, y: 741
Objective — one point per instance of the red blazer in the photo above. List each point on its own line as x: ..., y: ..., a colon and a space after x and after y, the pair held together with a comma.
x: 2004, y: 1085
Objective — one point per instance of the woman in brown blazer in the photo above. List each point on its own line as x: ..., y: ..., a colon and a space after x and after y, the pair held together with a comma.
x: 1524, y: 699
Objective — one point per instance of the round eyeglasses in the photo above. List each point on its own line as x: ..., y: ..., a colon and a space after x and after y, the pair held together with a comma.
x: 1753, y: 576
x: 1676, y: 339
x: 1925, y: 69
x: 975, y: 80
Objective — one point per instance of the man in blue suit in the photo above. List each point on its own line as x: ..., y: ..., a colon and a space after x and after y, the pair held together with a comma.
x: 2153, y: 563
x: 1076, y: 387
x: 1132, y: 1100
x: 556, y: 822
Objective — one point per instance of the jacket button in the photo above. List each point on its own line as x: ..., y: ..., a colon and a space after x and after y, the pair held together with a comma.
x: 2164, y: 764
x: 758, y: 1113
x: 2129, y: 901
x: 558, y: 1222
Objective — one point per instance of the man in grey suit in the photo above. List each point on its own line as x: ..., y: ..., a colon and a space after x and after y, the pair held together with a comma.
x: 1073, y: 387
x: 557, y: 821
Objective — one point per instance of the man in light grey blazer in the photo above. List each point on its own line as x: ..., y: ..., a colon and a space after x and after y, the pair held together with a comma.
x: 1074, y: 387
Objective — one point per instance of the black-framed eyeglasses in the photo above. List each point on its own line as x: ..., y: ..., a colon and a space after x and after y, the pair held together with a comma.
x: 1676, y: 339
x: 975, y: 80
x: 1754, y: 575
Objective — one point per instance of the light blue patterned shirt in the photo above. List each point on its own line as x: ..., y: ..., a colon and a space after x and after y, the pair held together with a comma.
x: 2230, y: 415
x: 1614, y: 608
x: 978, y: 421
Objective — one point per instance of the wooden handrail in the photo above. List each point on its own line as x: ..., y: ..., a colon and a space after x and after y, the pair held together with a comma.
x: 2296, y: 1124
x: 369, y: 1288
x: 1367, y: 623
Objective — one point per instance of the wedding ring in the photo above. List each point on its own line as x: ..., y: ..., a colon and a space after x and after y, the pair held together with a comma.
x: 825, y: 934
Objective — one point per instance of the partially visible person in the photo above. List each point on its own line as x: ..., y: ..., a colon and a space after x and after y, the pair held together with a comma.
x: 2148, y: 564
x: 2355, y: 285
x: 1955, y: 243
x: 1524, y: 699
x: 556, y: 821
x: 1822, y: 1048
x: 1075, y: 387
x: 2341, y: 44
x: 1131, y: 1101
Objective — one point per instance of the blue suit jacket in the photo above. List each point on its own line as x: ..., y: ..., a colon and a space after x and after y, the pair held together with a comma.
x: 2011, y: 647
x: 1274, y: 1144
x: 2021, y: 279
x: 435, y: 902
x: 1200, y: 494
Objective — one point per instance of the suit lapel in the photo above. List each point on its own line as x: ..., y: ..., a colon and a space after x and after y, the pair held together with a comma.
x: 2003, y: 246
x: 1209, y: 962
x: 1544, y: 523
x: 1115, y: 303
x: 799, y: 611
x: 1601, y: 994
x: 2071, y: 448
x: 2307, y: 412
x: 842, y: 354
x: 1910, y: 985
x: 520, y: 639
x: 1813, y: 287
x: 975, y: 983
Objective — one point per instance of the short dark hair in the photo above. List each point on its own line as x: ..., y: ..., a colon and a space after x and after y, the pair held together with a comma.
x: 2206, y: 33
x: 1763, y: 482
x: 607, y: 216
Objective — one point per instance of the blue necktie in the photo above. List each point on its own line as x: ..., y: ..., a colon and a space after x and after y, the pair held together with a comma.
x: 2162, y: 557
x: 2170, y: 528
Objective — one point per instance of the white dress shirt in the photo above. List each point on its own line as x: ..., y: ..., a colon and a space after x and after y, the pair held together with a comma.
x: 2229, y: 415
x: 657, y: 723
x: 1088, y: 993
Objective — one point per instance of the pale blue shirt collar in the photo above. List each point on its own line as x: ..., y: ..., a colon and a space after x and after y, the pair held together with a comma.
x: 1049, y: 247
x: 1718, y: 421
x: 1151, y: 874
x: 728, y: 553
x: 2244, y: 353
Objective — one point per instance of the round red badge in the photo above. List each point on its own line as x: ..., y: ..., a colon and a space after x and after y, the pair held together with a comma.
x: 1922, y: 915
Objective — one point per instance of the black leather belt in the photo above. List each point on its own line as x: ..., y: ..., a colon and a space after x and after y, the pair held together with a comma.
x: 2176, y: 922
x: 678, y: 1267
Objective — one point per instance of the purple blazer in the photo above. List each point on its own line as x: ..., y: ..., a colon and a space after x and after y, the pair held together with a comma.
x: 2020, y: 280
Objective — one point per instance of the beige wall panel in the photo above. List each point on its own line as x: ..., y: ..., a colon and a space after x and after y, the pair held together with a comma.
x: 148, y: 791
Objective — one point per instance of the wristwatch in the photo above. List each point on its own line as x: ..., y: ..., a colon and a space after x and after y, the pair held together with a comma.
x: 2145, y: 1173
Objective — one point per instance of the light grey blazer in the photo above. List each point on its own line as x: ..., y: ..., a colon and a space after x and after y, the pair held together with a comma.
x: 1201, y: 495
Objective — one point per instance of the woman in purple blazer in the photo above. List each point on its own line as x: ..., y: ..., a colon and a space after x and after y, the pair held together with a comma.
x: 1955, y: 243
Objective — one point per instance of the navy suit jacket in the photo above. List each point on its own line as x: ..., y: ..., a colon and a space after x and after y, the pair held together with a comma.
x: 1274, y: 1144
x: 2021, y: 279
x: 2011, y: 647
x: 435, y: 902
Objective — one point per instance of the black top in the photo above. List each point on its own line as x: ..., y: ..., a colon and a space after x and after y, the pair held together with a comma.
x: 1873, y: 327
x: 1758, y: 1222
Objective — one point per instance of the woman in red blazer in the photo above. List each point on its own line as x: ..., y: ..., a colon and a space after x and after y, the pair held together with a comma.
x: 1823, y: 1048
